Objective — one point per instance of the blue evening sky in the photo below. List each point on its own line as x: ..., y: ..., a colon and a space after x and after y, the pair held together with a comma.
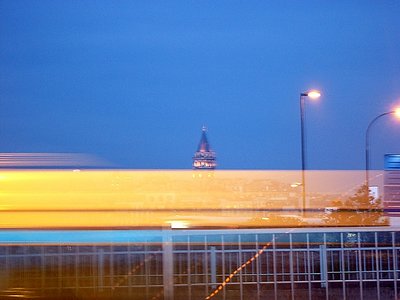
x: 133, y: 82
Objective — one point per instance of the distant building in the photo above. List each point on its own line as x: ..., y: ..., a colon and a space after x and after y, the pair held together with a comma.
x: 204, y: 157
x: 392, y: 188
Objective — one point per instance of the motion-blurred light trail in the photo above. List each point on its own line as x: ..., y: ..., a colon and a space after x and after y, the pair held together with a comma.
x: 178, y: 199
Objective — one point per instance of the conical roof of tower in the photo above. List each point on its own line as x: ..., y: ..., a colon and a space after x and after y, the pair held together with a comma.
x: 204, y: 145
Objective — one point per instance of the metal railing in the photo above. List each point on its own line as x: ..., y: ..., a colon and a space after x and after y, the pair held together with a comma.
x: 348, y: 263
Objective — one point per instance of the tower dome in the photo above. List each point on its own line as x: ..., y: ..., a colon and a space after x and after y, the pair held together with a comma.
x: 204, y: 157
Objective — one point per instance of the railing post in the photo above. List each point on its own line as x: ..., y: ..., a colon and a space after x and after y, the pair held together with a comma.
x: 323, y: 265
x: 213, y: 267
x: 168, y: 266
x: 100, y: 269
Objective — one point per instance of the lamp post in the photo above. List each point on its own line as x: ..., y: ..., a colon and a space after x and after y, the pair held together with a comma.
x: 313, y: 94
x: 397, y: 113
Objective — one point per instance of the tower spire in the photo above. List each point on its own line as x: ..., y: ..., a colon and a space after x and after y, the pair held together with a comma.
x: 204, y: 157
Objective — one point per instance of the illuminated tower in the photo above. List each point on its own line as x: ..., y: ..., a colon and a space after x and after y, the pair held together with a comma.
x: 204, y: 157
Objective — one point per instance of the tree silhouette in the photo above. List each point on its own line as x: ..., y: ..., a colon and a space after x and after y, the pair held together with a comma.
x: 360, y: 209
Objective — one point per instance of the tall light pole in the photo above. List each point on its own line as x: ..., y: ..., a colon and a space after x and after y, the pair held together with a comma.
x: 313, y: 94
x: 397, y: 113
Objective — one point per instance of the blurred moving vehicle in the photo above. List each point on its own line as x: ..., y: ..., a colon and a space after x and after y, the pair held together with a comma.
x: 175, y: 199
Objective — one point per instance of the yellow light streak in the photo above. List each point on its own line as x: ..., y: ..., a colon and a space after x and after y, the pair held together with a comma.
x: 177, y: 199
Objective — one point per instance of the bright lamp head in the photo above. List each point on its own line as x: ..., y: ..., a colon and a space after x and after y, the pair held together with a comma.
x: 397, y: 112
x: 314, y: 94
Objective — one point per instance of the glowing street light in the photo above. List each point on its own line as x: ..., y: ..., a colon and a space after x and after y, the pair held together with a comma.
x: 312, y: 94
x: 396, y: 112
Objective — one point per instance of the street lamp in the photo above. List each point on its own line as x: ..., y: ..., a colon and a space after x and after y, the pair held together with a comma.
x: 396, y: 112
x: 312, y: 94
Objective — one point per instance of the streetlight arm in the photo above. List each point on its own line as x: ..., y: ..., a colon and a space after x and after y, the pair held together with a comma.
x: 374, y: 120
x: 367, y: 144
